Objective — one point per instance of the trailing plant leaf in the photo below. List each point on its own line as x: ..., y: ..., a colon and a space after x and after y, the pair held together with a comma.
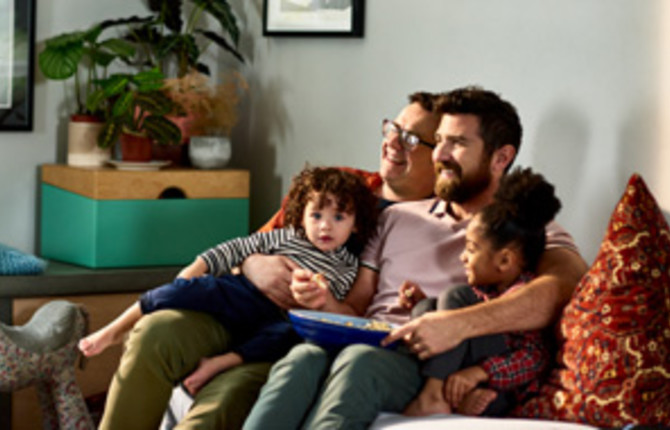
x: 155, y: 5
x: 119, y: 47
x: 131, y: 21
x: 109, y: 134
x: 123, y: 105
x: 155, y: 102
x: 183, y: 47
x: 95, y: 100
x: 202, y: 68
x: 220, y: 9
x: 149, y: 80
x: 100, y: 58
x: 223, y: 43
x: 171, y: 15
x: 92, y: 34
x: 115, y: 84
x: 170, y: 41
x: 162, y: 130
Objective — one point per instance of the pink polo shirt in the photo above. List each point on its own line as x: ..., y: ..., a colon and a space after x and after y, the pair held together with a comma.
x: 421, y: 242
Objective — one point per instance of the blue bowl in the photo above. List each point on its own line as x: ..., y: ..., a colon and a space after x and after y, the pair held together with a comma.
x: 336, y: 330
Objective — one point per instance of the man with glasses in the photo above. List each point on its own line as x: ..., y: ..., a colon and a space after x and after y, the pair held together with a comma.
x: 156, y: 351
x: 405, y: 169
x: 477, y: 140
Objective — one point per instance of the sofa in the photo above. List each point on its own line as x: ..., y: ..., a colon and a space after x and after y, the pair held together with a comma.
x: 613, y: 365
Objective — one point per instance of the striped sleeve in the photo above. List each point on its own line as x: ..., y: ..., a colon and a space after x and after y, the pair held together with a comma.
x: 224, y: 256
x: 339, y: 267
x: 344, y: 274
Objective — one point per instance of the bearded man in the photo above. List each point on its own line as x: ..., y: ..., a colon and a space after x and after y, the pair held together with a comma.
x: 477, y: 140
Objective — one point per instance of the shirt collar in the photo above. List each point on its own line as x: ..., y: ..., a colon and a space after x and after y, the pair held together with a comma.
x: 441, y: 209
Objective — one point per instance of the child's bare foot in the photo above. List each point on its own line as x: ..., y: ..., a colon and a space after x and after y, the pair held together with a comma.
x: 97, y: 342
x: 429, y: 402
x: 476, y: 401
x: 206, y: 370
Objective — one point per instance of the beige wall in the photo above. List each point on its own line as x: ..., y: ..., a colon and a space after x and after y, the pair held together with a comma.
x: 585, y: 75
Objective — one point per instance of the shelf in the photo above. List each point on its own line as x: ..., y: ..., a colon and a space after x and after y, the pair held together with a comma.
x: 66, y: 279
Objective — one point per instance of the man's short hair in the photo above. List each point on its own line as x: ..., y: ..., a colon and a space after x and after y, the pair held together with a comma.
x: 499, y: 123
x: 425, y: 99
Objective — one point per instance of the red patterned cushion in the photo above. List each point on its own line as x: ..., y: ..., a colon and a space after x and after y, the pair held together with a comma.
x: 614, y: 363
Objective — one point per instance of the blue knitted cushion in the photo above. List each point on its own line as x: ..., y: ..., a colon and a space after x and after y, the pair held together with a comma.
x: 15, y: 262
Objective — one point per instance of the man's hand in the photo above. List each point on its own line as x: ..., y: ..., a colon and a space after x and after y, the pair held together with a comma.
x: 272, y: 275
x: 460, y: 383
x: 430, y: 334
x: 309, y: 290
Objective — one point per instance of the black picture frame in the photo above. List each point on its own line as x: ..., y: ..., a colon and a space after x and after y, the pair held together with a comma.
x: 313, y: 18
x: 17, y: 41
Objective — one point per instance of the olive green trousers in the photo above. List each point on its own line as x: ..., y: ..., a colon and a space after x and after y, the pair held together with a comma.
x: 161, y: 350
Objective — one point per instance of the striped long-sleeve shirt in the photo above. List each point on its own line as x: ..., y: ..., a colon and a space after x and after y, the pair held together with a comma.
x: 339, y: 266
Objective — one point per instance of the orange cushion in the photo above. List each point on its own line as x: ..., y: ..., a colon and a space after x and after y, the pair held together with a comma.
x: 614, y: 363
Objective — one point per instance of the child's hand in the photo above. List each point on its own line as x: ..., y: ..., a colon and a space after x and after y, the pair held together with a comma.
x: 193, y: 270
x: 409, y: 295
x: 461, y: 383
x: 309, y: 289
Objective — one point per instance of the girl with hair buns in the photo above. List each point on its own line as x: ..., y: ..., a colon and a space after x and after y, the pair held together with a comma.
x: 489, y: 374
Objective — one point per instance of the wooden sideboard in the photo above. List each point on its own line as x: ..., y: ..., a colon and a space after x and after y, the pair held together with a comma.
x: 104, y: 293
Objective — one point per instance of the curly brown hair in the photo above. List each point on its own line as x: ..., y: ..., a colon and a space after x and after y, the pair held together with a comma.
x: 350, y: 193
x: 522, y: 207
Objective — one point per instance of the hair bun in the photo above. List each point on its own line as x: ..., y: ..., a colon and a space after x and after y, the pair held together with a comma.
x: 528, y: 198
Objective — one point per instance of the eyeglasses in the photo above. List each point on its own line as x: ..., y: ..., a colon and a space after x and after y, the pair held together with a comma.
x: 408, y: 139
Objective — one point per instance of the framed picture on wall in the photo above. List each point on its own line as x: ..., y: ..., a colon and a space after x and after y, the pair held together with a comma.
x: 329, y: 18
x: 17, y: 36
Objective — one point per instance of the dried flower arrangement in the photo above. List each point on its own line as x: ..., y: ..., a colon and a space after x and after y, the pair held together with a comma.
x: 212, y: 108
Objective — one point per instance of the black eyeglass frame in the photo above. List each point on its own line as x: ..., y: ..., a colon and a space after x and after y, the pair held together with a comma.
x: 404, y: 136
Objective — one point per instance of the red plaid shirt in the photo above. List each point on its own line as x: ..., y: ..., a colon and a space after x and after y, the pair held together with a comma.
x: 527, y: 358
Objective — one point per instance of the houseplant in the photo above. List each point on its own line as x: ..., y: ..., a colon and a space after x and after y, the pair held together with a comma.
x: 175, y: 39
x: 164, y: 42
x: 136, y: 107
x: 175, y: 44
x: 212, y: 109
x: 77, y: 53
x: 82, y: 57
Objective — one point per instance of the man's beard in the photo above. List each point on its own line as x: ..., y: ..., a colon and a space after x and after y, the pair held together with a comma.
x: 460, y: 189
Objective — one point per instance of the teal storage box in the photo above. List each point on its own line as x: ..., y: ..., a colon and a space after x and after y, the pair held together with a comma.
x: 103, y: 218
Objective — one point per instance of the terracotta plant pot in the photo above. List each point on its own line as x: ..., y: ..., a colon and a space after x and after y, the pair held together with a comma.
x: 177, y: 155
x: 82, y: 142
x: 135, y: 147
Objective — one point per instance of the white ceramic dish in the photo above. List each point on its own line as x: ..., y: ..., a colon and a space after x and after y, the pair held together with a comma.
x: 138, y: 165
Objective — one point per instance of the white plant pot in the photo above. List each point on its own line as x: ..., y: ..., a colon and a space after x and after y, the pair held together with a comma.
x: 209, y: 152
x: 82, y: 145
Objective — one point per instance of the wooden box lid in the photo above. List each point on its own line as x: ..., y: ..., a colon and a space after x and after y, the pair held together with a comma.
x: 103, y: 183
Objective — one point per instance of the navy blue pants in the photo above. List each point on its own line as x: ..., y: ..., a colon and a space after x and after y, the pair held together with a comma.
x: 260, y: 329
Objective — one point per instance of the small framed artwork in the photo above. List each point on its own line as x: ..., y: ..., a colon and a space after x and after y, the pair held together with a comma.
x: 17, y: 37
x: 323, y: 18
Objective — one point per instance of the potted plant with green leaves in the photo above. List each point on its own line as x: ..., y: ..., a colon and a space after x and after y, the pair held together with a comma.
x: 81, y: 56
x: 137, y: 112
x: 175, y: 38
